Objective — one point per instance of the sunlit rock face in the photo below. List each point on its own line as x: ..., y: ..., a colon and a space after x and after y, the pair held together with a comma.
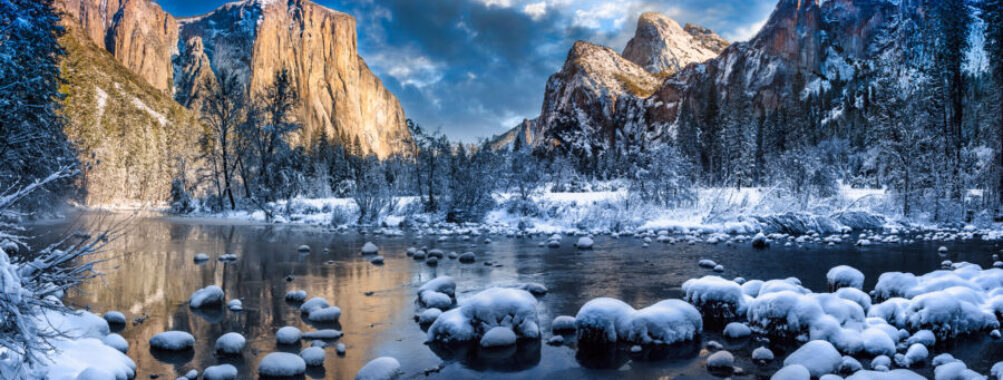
x: 254, y: 39
x: 140, y: 35
x: 663, y: 47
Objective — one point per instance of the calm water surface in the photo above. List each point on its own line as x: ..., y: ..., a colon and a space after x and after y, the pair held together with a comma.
x: 149, y: 271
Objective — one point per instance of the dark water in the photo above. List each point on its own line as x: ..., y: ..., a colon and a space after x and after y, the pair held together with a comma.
x: 150, y: 271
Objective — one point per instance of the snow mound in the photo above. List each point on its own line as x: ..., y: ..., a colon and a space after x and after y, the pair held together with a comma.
x: 114, y: 317
x: 607, y: 321
x: 719, y: 300
x: 895, y: 374
x: 498, y: 336
x: 235, y: 305
x: 736, y: 330
x: 843, y: 276
x: 173, y: 341
x: 721, y: 360
x: 281, y: 364
x: 117, y: 342
x: 210, y: 295
x: 818, y: 357
x: 382, y: 368
x: 584, y: 242
x: 288, y: 335
x: 313, y: 356
x: 792, y: 372
x: 327, y: 314
x: 429, y: 316
x: 296, y: 295
x: 493, y: 307
x: 563, y: 324
x: 762, y: 354
x: 785, y: 315
x: 71, y: 359
x: 325, y: 334
x: 438, y: 293
x: 314, y: 304
x: 220, y: 372
x: 231, y: 343
x: 948, y: 315
x: 369, y: 248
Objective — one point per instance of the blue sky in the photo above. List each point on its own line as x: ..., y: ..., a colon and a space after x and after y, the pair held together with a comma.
x: 475, y: 68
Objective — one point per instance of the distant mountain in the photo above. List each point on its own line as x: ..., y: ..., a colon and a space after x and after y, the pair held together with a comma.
x: 255, y: 39
x: 584, y: 101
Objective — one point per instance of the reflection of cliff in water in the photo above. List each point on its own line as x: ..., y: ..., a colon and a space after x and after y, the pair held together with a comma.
x: 150, y: 270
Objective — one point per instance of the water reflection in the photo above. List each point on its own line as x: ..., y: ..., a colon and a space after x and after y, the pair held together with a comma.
x: 151, y: 270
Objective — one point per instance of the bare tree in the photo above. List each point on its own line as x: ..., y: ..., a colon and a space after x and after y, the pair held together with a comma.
x: 223, y: 111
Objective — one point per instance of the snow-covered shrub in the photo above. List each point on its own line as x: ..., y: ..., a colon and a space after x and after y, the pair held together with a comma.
x: 494, y: 307
x: 948, y: 315
x: 844, y: 276
x: 720, y: 301
x: 181, y: 201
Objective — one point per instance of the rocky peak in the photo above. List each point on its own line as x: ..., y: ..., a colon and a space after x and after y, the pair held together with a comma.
x: 663, y: 47
x: 254, y: 39
x: 193, y: 73
x: 138, y: 33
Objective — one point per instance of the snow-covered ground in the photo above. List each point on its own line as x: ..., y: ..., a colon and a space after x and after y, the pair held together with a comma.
x: 717, y: 210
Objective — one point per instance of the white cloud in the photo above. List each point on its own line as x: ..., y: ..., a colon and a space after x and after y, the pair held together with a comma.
x: 408, y: 68
x: 597, y: 16
x: 535, y: 10
x: 497, y: 3
x: 746, y: 32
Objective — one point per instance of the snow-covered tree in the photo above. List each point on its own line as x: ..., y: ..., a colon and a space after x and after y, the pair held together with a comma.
x: 32, y: 142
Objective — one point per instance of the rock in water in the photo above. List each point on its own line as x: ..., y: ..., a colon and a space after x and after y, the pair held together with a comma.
x: 173, y: 341
x: 313, y: 356
x: 498, y: 337
x: 282, y: 364
x: 382, y: 368
x: 369, y: 248
x: 208, y: 296
x: 759, y: 241
x: 584, y: 242
x: 230, y: 343
x: 219, y: 372
x: 288, y: 335
x: 117, y: 342
x: 722, y: 361
x: 114, y: 318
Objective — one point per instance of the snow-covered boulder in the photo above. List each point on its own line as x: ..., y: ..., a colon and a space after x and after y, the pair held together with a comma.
x: 429, y: 315
x: 493, y: 307
x: 369, y: 248
x: 948, y: 315
x: 200, y: 257
x: 438, y: 293
x: 328, y: 314
x: 231, y: 343
x: 916, y: 354
x: 296, y: 296
x: 607, y: 321
x: 210, y: 295
x: 114, y: 318
x: 818, y: 356
x: 844, y: 276
x: 288, y: 335
x: 281, y: 364
x: 117, y: 342
x: 783, y: 315
x: 760, y: 241
x: 737, y: 330
x: 382, y: 368
x: 762, y: 354
x: 498, y: 336
x: 313, y: 356
x: 468, y: 257
x: 792, y: 372
x: 220, y: 372
x: 720, y: 301
x: 721, y: 361
x: 584, y: 242
x: 563, y: 324
x: 314, y: 304
x: 235, y: 305
x: 173, y: 341
x: 323, y: 334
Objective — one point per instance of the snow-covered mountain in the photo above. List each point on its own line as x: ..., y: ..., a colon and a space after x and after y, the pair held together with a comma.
x: 255, y: 39
x: 584, y: 102
x: 662, y: 47
x: 809, y: 73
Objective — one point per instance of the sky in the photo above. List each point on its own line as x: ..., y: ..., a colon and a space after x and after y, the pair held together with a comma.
x: 476, y: 68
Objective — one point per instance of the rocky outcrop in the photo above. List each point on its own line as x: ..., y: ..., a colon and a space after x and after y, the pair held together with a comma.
x: 338, y: 93
x: 254, y: 39
x: 140, y: 35
x: 662, y: 47
x: 523, y: 135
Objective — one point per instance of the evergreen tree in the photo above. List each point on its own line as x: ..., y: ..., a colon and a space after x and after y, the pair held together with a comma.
x: 992, y: 13
x: 32, y: 143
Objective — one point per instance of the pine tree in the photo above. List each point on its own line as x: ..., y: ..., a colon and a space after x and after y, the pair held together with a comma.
x: 32, y: 143
x: 992, y: 13
x: 951, y: 21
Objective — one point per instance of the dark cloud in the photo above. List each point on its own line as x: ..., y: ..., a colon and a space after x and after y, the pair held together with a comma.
x: 474, y: 68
